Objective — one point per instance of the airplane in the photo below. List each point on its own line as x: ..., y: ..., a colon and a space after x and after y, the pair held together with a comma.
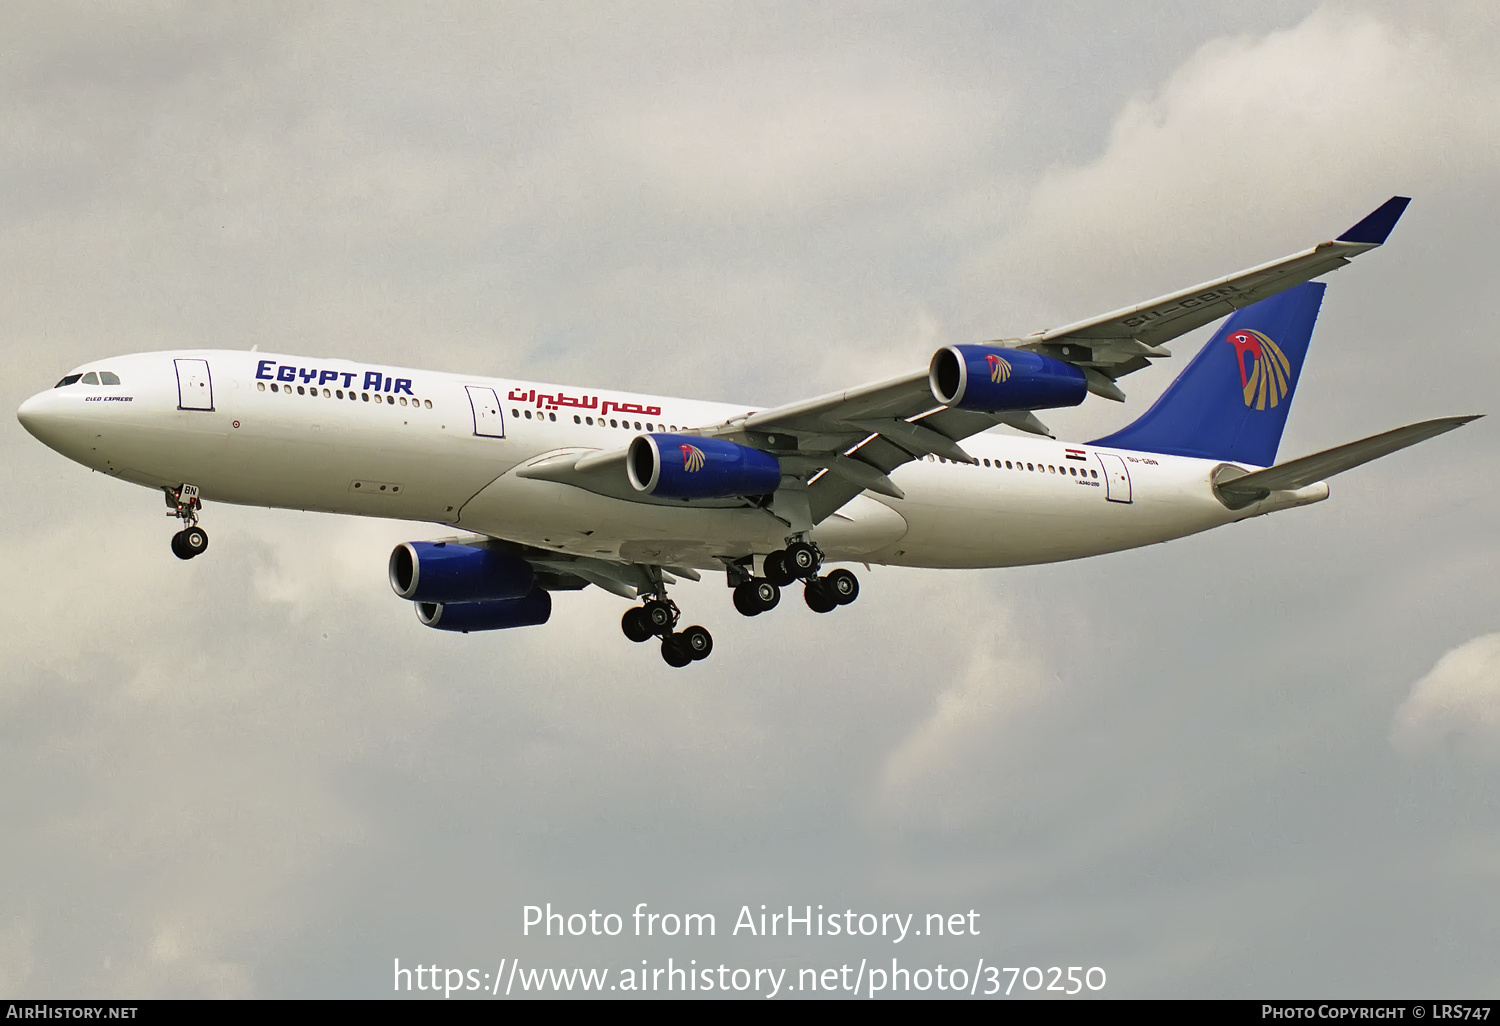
x: 561, y: 487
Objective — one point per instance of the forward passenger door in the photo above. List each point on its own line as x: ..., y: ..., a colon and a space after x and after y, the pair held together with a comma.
x: 195, y: 389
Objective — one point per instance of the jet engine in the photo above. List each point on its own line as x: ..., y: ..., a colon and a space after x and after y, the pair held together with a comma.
x: 441, y: 572
x: 991, y: 380
x: 692, y: 467
x: 535, y: 608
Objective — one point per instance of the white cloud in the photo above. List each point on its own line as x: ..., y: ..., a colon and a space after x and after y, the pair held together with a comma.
x: 1255, y: 138
x: 1456, y: 705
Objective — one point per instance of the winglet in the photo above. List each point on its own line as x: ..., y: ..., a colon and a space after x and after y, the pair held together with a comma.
x: 1375, y: 228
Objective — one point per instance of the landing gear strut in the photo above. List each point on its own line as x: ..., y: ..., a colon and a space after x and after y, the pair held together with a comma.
x: 192, y: 540
x: 658, y: 619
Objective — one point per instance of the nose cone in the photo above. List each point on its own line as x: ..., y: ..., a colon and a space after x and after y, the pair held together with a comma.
x: 43, y: 416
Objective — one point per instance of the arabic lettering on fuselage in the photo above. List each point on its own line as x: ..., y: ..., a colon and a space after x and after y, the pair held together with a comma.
x: 374, y: 381
x: 583, y: 402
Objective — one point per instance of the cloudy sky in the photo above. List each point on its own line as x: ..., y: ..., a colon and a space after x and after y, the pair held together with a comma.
x: 1261, y: 761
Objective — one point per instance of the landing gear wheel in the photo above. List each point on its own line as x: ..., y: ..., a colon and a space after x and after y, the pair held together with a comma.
x: 744, y: 600
x: 189, y: 542
x: 698, y: 642
x: 756, y: 596
x: 778, y: 571
x: 843, y: 586
x: 635, y: 625
x: 819, y: 596
x: 802, y: 559
x: 194, y: 541
x: 675, y: 651
x: 660, y: 615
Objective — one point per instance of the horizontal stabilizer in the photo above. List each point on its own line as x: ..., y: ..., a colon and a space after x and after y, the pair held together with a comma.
x: 1239, y: 492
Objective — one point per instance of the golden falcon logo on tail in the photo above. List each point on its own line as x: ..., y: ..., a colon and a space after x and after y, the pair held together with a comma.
x: 1267, y: 380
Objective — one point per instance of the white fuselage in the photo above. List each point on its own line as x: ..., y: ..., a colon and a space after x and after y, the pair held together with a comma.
x: 339, y: 437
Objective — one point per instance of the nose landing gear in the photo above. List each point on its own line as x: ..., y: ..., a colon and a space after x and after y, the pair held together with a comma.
x: 192, y: 540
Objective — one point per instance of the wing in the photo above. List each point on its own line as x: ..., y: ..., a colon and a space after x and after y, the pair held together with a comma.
x: 861, y: 435
x: 835, y: 446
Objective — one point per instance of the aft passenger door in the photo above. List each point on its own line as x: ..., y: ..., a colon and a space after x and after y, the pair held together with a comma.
x: 1116, y: 477
x: 195, y: 389
x: 489, y: 421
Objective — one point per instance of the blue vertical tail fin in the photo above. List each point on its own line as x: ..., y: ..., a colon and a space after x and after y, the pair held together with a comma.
x: 1230, y: 403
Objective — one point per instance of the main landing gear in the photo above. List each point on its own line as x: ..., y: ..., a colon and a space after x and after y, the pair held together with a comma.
x: 658, y: 619
x: 799, y: 560
x: 192, y: 540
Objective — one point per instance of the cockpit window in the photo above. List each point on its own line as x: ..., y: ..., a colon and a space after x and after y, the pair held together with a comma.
x: 71, y: 379
x: 91, y: 378
x: 108, y: 378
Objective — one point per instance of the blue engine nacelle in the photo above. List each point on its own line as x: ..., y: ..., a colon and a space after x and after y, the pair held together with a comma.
x: 691, y: 467
x: 535, y: 608
x: 990, y: 380
x: 438, y: 572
